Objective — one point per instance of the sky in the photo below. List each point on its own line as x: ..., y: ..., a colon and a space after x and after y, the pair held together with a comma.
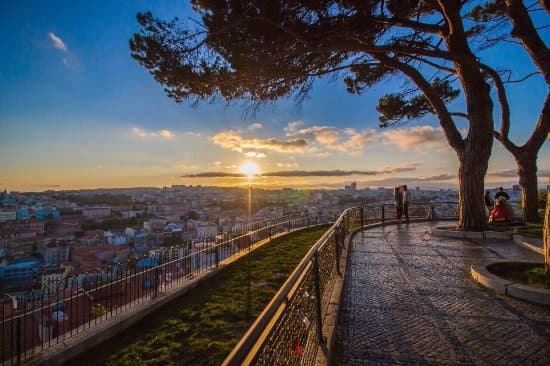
x: 76, y: 111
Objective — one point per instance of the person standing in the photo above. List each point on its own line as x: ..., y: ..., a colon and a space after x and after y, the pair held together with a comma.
x: 406, y: 201
x: 398, y: 197
x: 501, y: 193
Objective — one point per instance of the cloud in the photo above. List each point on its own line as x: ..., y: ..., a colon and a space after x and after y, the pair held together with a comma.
x: 288, y: 164
x: 255, y: 126
x: 400, y: 169
x: 234, y: 141
x: 166, y: 134
x: 217, y: 164
x: 346, y: 140
x: 513, y: 173
x: 292, y: 127
x: 58, y: 42
x: 419, y: 137
x: 254, y: 154
x: 300, y: 173
x: 436, y: 178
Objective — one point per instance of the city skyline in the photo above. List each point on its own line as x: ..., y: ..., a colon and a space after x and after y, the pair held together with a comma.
x: 77, y: 112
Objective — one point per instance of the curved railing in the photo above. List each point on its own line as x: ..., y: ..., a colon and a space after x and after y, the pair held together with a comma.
x: 290, y: 329
x: 48, y: 316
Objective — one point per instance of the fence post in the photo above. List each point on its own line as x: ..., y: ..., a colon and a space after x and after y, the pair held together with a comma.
x: 362, y: 217
x: 156, y: 281
x: 216, y: 256
x: 383, y: 213
x: 337, y: 244
x: 317, y: 281
x: 431, y: 213
x: 18, y: 342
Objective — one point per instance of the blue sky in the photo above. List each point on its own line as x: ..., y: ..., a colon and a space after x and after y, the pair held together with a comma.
x: 77, y: 111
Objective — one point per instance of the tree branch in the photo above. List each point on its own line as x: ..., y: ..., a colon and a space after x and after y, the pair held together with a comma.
x: 540, y: 134
x: 503, y: 100
x: 414, y: 25
x: 434, y: 65
x: 445, y: 119
x: 523, y: 78
x: 460, y: 114
x: 525, y: 31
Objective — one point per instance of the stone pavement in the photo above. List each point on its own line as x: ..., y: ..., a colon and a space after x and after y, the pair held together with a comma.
x: 409, y: 300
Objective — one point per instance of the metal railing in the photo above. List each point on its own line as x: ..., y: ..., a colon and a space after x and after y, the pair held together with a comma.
x: 290, y: 329
x: 42, y: 318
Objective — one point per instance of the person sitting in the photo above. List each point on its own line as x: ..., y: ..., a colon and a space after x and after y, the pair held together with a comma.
x: 500, y: 211
x: 501, y: 193
x: 489, y: 203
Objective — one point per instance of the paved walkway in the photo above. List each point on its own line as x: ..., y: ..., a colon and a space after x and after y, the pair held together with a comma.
x: 409, y: 300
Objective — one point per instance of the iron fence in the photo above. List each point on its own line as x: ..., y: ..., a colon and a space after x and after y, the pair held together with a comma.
x: 290, y: 329
x: 38, y: 319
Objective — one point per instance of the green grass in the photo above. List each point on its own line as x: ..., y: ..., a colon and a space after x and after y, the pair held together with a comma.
x: 202, y: 327
x: 523, y: 273
x: 532, y: 231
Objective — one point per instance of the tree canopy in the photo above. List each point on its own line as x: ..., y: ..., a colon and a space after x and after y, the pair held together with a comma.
x: 262, y: 50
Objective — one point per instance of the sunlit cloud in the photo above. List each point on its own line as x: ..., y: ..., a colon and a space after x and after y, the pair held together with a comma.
x: 254, y: 154
x: 346, y: 140
x: 234, y: 141
x: 419, y: 137
x: 513, y: 173
x: 58, y: 42
x: 288, y: 164
x: 255, y: 126
x: 166, y: 134
x: 217, y: 164
x: 320, y: 173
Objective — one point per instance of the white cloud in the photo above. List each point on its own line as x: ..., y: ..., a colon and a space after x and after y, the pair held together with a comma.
x: 288, y: 164
x: 166, y: 134
x: 234, y: 141
x: 346, y: 140
x: 58, y: 42
x: 217, y: 164
x: 292, y: 126
x: 254, y: 154
x: 419, y: 137
x: 255, y: 126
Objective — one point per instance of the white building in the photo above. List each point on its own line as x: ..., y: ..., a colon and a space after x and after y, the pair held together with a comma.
x: 206, y: 229
x: 115, y: 238
x: 6, y: 215
x: 96, y: 213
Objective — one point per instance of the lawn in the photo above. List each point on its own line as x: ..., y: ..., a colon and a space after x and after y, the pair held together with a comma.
x: 523, y: 273
x: 203, y: 326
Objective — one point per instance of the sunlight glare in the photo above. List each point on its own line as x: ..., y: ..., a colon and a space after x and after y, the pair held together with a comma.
x: 249, y: 169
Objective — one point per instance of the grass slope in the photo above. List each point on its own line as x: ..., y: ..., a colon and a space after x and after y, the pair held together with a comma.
x: 203, y: 326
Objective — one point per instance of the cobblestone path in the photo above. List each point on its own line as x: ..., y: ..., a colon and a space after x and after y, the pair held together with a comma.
x: 409, y: 300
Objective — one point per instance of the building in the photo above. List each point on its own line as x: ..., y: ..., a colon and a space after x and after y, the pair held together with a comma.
x: 115, y: 238
x: 24, y: 273
x: 7, y: 215
x: 55, y: 253
x: 96, y: 213
x: 207, y: 229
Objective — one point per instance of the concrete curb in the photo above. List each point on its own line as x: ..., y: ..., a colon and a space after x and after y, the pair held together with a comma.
x: 496, y: 235
x: 533, y: 244
x: 481, y: 274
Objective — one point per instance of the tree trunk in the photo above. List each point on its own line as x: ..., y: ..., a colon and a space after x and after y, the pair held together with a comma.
x: 527, y: 172
x: 546, y: 234
x: 471, y: 179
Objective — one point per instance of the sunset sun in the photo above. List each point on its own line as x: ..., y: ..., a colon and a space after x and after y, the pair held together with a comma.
x: 249, y: 169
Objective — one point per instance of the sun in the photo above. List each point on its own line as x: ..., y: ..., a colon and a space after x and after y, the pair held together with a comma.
x: 249, y: 169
